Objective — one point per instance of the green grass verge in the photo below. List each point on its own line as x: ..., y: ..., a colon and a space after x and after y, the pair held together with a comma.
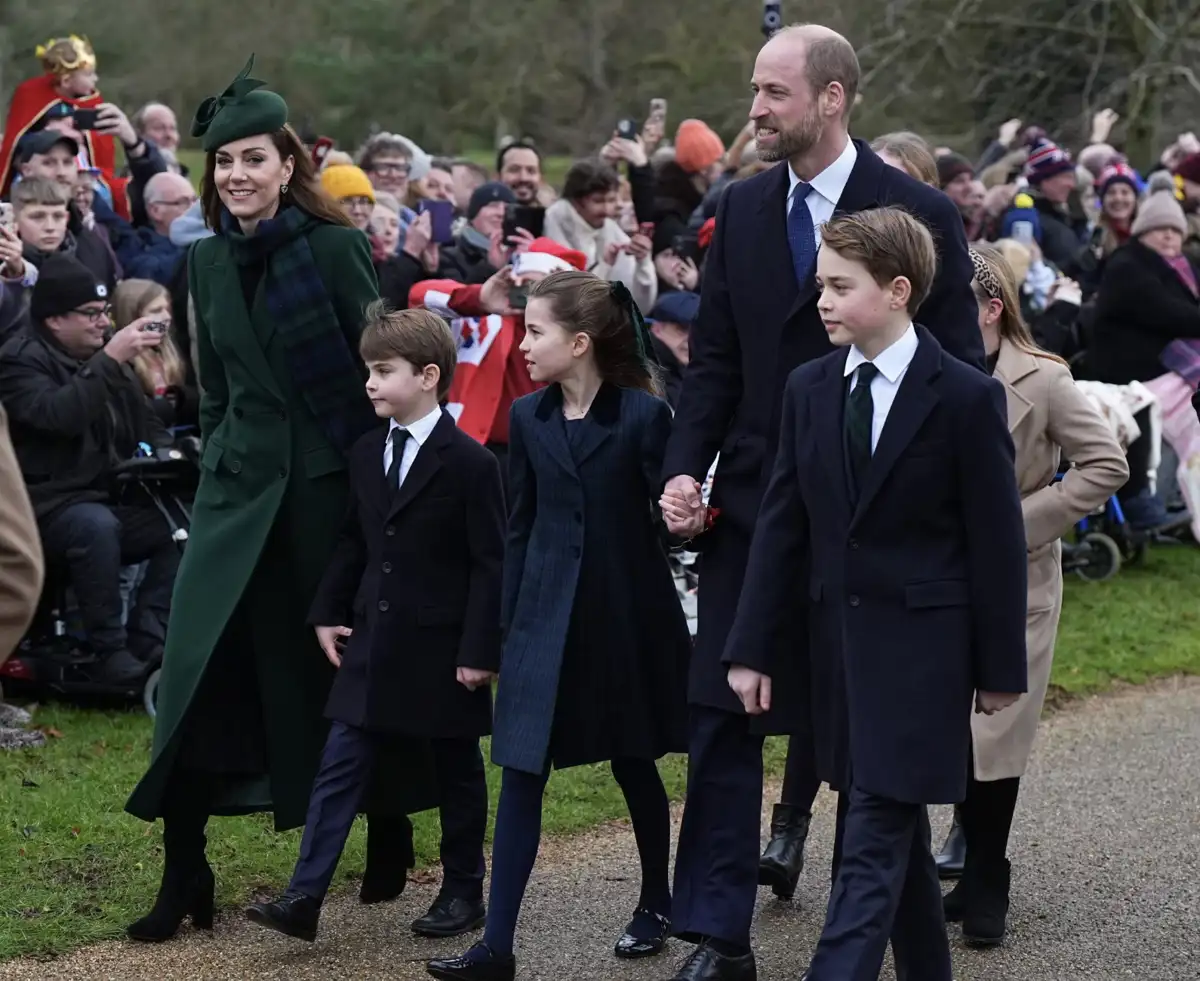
x: 75, y: 868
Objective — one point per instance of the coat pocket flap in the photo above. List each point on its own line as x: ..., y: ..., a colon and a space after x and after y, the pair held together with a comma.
x: 323, y: 460
x: 941, y: 592
x: 210, y: 459
x: 439, y: 616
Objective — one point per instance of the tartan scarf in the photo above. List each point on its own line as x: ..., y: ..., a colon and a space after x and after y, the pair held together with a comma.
x: 324, y: 368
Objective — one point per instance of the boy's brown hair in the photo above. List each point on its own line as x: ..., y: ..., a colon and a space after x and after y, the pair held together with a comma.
x: 420, y: 337
x: 889, y: 242
x: 28, y: 193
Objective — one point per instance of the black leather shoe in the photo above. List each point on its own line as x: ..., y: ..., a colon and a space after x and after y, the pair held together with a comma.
x: 953, y: 856
x: 631, y: 946
x: 985, y: 919
x: 783, y: 859
x: 292, y: 913
x: 451, y: 917
x: 389, y: 857
x: 706, y: 964
x: 480, y: 963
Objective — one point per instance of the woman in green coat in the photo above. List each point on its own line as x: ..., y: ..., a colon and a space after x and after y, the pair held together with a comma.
x: 279, y: 295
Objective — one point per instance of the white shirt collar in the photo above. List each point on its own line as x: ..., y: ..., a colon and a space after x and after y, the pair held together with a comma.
x: 892, y: 361
x: 420, y: 430
x: 830, y: 182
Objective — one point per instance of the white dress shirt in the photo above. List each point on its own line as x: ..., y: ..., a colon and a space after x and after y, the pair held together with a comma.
x: 418, y: 432
x: 893, y: 364
x: 825, y: 190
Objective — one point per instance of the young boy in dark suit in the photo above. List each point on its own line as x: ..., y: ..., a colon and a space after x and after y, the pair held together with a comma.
x: 417, y: 573
x: 894, y: 487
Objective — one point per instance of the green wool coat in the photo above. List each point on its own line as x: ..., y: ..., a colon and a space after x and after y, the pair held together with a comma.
x: 267, y: 514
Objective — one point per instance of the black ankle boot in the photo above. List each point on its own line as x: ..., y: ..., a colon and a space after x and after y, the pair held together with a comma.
x: 985, y: 918
x: 954, y: 903
x: 186, y: 891
x: 783, y: 859
x: 953, y: 856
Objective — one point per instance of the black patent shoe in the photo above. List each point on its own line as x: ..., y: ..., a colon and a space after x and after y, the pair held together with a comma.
x: 293, y: 914
x: 451, y: 917
x: 705, y: 964
x: 480, y: 963
x: 632, y: 946
x: 783, y: 859
x: 953, y: 856
x: 179, y: 897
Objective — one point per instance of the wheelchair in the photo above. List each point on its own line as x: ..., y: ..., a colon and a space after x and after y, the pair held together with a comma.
x: 1102, y: 543
x: 53, y: 659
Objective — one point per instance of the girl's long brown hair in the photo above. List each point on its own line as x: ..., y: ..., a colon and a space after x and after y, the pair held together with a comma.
x: 584, y: 303
x: 304, y: 189
x: 1001, y: 285
x: 130, y: 301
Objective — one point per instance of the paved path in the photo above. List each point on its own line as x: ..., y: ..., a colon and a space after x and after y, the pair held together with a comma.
x: 1106, y: 854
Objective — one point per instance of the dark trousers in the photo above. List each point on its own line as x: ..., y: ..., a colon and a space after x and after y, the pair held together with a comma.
x: 343, y: 779
x: 94, y: 541
x: 519, y: 829
x: 800, y: 780
x: 716, y: 864
x: 885, y: 887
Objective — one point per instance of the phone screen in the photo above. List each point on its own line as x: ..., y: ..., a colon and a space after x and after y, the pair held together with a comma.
x: 441, y: 219
x: 518, y: 296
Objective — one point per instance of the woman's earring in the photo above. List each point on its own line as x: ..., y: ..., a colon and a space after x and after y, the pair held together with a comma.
x: 283, y: 189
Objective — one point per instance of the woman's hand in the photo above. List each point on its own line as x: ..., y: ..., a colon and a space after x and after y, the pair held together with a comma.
x: 333, y: 642
x: 689, y: 275
x: 419, y: 236
x: 472, y: 678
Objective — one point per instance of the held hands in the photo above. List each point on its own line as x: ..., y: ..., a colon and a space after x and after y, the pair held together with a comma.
x: 333, y: 642
x: 752, y: 688
x: 127, y: 343
x: 683, y: 508
x: 991, y: 702
x: 473, y: 678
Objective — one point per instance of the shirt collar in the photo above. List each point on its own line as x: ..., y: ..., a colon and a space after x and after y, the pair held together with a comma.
x: 892, y: 361
x: 420, y: 430
x: 830, y: 182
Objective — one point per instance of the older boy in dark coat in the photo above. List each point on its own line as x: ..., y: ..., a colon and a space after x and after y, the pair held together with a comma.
x: 895, y: 486
x: 418, y: 573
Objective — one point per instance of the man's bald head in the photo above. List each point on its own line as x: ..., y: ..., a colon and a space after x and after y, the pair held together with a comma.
x: 167, y: 196
x: 828, y: 57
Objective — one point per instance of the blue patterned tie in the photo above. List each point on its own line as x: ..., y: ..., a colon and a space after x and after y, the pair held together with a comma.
x: 801, y: 235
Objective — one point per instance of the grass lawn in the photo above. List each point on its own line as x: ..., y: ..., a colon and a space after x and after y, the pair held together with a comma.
x: 75, y: 868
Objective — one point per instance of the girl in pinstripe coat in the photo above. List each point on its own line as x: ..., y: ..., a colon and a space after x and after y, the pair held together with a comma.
x: 596, y: 645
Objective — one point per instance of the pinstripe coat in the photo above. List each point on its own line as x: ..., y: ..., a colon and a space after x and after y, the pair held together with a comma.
x: 596, y: 645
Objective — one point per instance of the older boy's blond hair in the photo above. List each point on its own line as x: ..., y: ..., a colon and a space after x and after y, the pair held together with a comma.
x: 890, y: 243
x: 28, y: 193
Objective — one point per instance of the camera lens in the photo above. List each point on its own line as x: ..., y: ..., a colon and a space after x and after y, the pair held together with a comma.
x: 772, y: 18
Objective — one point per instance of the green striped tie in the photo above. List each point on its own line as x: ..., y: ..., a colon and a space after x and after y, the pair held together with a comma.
x: 860, y: 414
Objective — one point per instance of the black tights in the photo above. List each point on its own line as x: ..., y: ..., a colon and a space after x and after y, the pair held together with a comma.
x: 987, y: 815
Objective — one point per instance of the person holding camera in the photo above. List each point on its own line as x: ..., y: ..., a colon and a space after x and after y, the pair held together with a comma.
x: 76, y: 408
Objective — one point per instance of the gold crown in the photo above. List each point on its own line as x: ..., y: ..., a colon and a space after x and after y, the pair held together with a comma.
x: 63, y: 55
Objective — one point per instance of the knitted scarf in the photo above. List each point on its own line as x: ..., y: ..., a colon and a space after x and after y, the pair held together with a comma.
x: 324, y: 368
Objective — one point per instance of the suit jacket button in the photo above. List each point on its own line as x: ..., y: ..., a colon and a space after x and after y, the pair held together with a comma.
x: 390, y: 530
x: 854, y: 600
x: 854, y: 543
x: 387, y: 567
x: 383, y: 606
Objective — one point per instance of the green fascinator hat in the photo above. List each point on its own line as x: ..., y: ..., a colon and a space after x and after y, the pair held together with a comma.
x: 244, y: 109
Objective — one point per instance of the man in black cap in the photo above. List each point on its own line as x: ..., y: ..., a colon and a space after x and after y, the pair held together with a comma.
x: 480, y: 250
x: 76, y: 409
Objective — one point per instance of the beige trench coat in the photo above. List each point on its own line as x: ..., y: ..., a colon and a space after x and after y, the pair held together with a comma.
x: 1046, y: 414
x: 20, y: 550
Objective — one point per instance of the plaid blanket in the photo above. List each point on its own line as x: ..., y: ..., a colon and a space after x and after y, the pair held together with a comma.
x: 1183, y: 357
x: 324, y: 368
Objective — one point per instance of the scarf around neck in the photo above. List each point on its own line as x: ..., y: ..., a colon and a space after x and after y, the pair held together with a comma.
x: 327, y: 372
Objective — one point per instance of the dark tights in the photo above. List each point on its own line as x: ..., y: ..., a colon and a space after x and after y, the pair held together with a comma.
x: 519, y: 829
x: 987, y: 815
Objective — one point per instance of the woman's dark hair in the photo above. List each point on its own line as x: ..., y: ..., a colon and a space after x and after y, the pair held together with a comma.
x: 304, y: 190
x: 584, y: 303
x: 588, y: 177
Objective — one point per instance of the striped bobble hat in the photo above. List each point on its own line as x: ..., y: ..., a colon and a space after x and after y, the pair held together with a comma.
x: 1117, y: 172
x: 1046, y: 159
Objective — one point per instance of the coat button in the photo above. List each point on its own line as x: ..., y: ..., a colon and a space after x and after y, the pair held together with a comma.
x: 854, y: 600
x: 387, y: 567
x: 389, y: 530
x: 238, y: 413
x: 235, y: 466
x: 283, y: 473
x: 383, y: 606
x: 854, y: 543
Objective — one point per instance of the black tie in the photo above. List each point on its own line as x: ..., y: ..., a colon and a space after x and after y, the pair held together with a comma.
x: 399, y: 438
x: 860, y: 415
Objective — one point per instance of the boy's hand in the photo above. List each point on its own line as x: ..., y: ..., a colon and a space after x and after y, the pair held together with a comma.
x: 991, y: 702
x: 682, y: 507
x: 332, y: 642
x: 472, y: 678
x: 752, y: 688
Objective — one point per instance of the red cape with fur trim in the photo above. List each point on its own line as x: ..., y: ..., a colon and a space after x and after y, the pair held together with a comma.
x: 30, y: 102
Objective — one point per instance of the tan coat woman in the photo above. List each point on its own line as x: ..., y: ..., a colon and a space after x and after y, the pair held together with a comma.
x: 1050, y: 420
x: 20, y: 549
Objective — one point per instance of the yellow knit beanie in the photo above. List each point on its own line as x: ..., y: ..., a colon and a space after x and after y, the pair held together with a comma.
x: 347, y: 181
